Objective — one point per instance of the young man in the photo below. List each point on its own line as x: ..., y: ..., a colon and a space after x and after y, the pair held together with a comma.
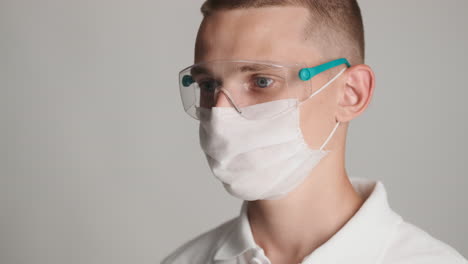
x: 274, y: 85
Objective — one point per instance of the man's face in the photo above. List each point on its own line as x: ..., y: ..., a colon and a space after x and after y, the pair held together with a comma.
x: 271, y: 34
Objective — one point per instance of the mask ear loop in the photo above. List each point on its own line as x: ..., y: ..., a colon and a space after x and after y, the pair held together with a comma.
x: 318, y: 91
x: 330, y: 136
x: 325, y: 85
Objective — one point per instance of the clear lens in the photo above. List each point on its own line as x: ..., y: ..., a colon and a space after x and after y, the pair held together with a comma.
x: 256, y: 90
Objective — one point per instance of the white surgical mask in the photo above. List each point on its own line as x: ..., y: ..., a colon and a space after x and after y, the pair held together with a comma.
x: 259, y: 159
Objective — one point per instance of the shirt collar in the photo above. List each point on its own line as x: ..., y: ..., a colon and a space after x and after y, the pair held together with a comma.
x: 239, y: 238
x: 361, y: 240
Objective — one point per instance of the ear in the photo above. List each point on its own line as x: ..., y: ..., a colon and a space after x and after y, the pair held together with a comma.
x: 356, y: 93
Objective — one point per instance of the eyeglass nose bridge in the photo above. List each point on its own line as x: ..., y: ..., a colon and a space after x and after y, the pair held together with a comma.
x: 228, y: 96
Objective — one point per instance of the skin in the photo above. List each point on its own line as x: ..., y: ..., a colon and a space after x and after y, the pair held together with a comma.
x: 291, y: 228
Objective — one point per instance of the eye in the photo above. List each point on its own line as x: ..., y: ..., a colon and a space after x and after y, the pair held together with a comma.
x: 208, y: 85
x: 263, y: 82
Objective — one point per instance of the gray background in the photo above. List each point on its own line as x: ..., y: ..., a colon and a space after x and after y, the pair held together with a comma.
x: 99, y: 163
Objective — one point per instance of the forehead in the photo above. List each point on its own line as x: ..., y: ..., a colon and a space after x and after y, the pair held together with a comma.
x: 268, y: 34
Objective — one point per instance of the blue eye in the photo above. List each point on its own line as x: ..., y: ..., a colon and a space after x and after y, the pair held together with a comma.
x: 208, y: 85
x: 263, y: 82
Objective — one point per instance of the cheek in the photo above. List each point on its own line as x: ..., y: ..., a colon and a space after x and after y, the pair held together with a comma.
x: 315, y: 116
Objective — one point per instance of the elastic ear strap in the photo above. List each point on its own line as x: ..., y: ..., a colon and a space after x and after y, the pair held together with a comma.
x: 328, y: 83
x: 330, y: 136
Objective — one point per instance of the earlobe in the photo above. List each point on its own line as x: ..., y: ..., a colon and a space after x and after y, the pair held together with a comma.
x: 356, y: 92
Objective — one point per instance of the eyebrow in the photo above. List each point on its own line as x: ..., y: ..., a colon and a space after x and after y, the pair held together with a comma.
x: 245, y: 68
x: 200, y: 70
x: 256, y: 67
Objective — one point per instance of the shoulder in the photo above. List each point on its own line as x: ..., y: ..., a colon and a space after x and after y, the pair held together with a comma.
x: 412, y: 245
x: 201, y: 248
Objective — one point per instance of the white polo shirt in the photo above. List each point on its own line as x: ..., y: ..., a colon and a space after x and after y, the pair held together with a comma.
x: 374, y: 235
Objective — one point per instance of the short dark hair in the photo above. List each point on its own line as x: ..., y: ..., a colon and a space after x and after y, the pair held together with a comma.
x: 341, y: 19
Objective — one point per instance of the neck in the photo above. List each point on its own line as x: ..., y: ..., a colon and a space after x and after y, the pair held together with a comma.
x: 291, y: 228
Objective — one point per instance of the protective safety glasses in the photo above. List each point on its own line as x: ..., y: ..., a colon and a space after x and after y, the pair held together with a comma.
x: 245, y: 85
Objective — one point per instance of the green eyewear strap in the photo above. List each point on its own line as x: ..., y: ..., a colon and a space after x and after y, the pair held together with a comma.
x: 305, y: 74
